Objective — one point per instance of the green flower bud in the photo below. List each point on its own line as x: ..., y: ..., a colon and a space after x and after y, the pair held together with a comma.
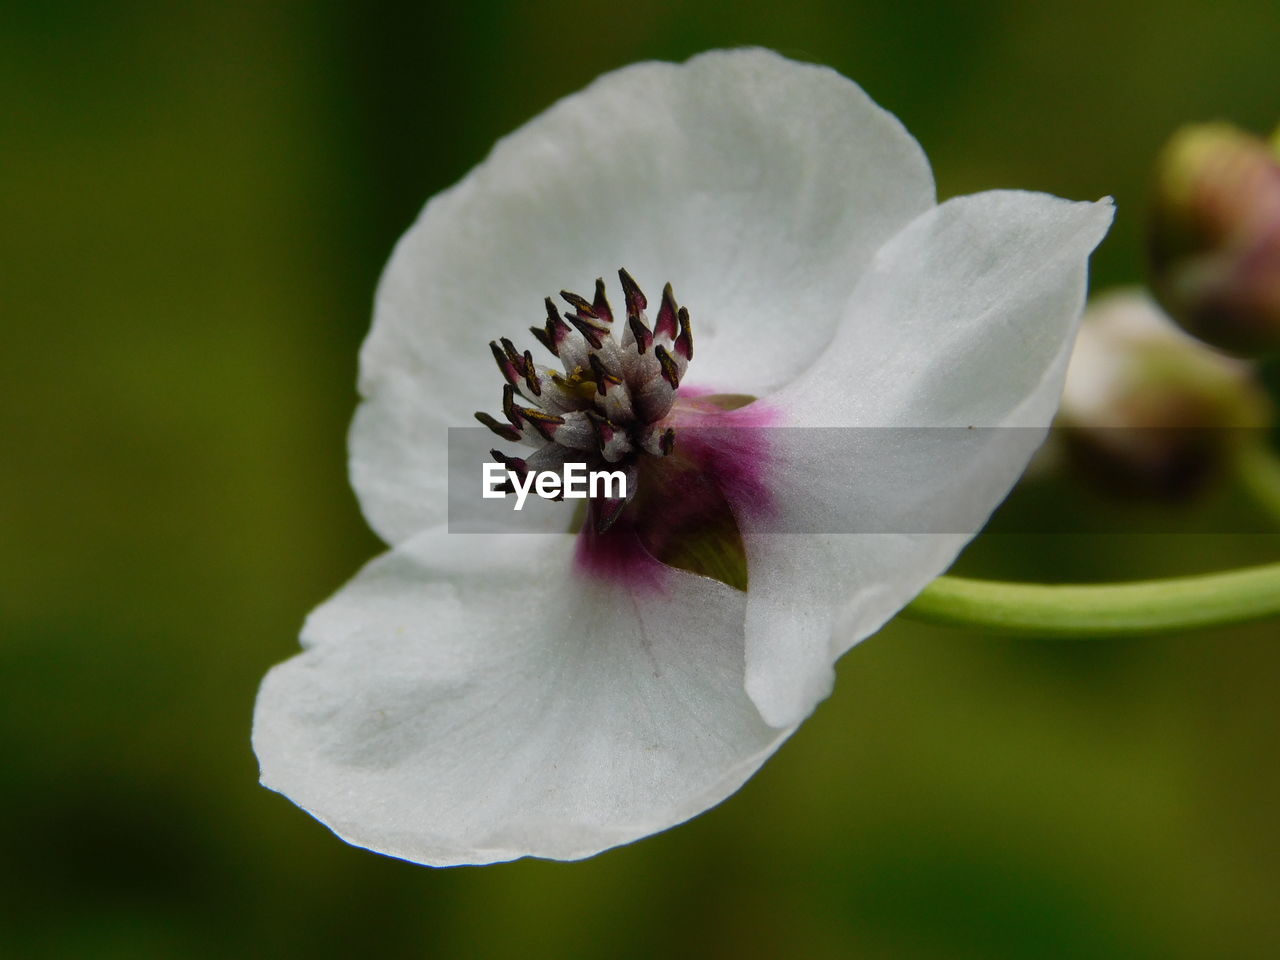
x: 1215, y: 237
x: 1148, y: 410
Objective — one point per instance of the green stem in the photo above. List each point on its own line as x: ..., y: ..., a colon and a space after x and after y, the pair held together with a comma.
x: 1258, y: 468
x: 1102, y: 610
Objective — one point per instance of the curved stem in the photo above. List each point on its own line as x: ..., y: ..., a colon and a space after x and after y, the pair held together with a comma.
x: 1258, y: 468
x: 1102, y: 610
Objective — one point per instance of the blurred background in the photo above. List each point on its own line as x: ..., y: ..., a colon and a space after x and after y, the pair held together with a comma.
x: 197, y: 200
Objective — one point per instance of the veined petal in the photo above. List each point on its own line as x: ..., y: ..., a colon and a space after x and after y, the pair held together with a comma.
x: 759, y: 187
x: 468, y: 699
x: 966, y: 319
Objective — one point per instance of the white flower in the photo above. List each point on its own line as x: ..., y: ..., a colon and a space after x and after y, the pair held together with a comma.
x: 471, y: 698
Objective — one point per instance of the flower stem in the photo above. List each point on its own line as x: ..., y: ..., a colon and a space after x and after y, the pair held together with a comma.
x: 1102, y: 610
x: 1258, y: 468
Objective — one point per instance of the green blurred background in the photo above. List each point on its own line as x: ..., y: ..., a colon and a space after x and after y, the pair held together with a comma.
x: 197, y: 200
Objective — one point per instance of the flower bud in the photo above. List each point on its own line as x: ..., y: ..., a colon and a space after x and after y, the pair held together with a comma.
x: 1215, y: 237
x: 1148, y: 410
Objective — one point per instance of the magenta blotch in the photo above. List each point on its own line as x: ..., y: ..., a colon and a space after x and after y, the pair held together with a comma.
x: 691, y: 501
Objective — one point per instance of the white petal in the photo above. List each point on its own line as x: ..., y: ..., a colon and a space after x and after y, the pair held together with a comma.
x: 959, y: 317
x: 965, y: 319
x: 823, y: 594
x: 759, y: 187
x: 467, y: 699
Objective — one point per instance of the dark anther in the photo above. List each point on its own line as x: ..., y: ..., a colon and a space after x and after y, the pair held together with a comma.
x: 517, y: 466
x: 670, y: 372
x: 505, y: 430
x: 603, y: 429
x: 509, y: 371
x: 665, y: 325
x: 684, y: 342
x: 513, y: 354
x: 631, y: 292
x: 556, y: 328
x: 601, y: 304
x: 593, y: 332
x: 531, y: 375
x: 509, y: 408
x: 544, y: 423
x: 545, y: 339
x: 643, y: 335
x: 578, y: 303
x: 604, y: 379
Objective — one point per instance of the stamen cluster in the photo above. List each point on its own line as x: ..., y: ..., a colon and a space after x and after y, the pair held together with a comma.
x: 609, y: 404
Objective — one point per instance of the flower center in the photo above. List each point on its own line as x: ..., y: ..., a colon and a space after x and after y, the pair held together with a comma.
x: 616, y: 407
x: 608, y: 406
